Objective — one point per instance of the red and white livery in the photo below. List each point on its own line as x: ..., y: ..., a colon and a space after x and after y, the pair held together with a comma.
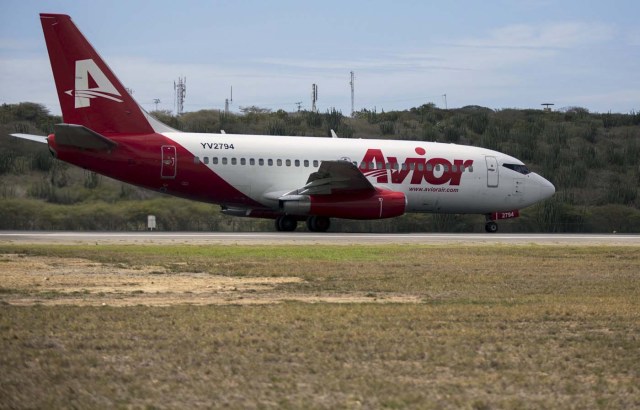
x: 288, y: 179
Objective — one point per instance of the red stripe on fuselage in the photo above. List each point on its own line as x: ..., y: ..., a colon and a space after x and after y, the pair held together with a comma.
x: 137, y: 160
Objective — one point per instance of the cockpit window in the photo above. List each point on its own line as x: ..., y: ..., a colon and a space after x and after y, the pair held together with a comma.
x: 518, y: 168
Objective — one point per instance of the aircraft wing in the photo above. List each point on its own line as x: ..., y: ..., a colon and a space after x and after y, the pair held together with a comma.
x: 37, y: 138
x: 338, y: 189
x: 336, y: 177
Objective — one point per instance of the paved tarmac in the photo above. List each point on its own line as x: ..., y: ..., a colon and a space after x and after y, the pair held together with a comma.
x: 308, y: 238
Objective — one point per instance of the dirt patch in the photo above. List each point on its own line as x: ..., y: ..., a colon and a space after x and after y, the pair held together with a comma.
x: 30, y: 280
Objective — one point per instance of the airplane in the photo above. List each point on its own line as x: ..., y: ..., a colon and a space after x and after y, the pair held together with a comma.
x: 287, y: 179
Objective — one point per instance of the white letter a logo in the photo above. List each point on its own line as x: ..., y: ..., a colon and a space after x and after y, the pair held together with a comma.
x: 103, y: 87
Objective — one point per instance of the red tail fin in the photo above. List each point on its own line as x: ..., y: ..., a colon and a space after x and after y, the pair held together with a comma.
x: 89, y: 92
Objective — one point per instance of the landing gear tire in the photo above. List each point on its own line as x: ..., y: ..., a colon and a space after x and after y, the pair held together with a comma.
x: 286, y: 223
x: 318, y: 223
x: 491, y: 227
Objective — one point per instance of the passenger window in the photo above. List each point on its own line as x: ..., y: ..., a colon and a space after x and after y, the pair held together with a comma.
x: 404, y: 166
x: 454, y: 168
x: 243, y: 161
x: 205, y: 160
x: 315, y: 163
x: 196, y: 160
x: 233, y: 161
x: 379, y: 165
x: 214, y: 160
x: 270, y: 162
x: 261, y: 162
x: 470, y: 168
x: 224, y: 160
x: 306, y: 163
x: 437, y: 167
x: 252, y: 161
x: 420, y: 167
x: 412, y: 166
x: 446, y: 168
x: 288, y: 162
x: 429, y: 167
x: 297, y: 163
x: 279, y: 162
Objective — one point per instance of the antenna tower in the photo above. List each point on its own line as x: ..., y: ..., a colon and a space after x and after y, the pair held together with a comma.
x: 228, y: 101
x: 180, y: 89
x: 352, y: 83
x: 314, y: 97
x: 156, y: 101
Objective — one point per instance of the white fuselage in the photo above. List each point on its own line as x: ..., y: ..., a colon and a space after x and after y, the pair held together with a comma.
x: 434, y: 177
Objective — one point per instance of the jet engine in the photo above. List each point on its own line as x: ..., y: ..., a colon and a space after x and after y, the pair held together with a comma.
x: 380, y: 204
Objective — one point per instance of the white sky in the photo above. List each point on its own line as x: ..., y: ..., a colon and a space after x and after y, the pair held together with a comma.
x: 498, y: 54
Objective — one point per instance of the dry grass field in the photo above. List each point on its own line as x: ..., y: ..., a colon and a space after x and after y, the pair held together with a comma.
x: 477, y: 327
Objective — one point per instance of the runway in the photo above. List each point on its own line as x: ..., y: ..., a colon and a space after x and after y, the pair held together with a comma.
x: 308, y: 238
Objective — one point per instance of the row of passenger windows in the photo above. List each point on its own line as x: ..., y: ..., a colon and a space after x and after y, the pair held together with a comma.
x: 306, y: 163
x: 261, y: 162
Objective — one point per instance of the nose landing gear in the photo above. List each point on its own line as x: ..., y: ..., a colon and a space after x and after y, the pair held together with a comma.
x: 491, y: 227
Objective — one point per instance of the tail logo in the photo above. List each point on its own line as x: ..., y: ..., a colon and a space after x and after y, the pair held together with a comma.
x: 87, y: 70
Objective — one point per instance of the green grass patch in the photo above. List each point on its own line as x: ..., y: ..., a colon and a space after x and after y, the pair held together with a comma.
x: 320, y: 356
x: 494, y: 327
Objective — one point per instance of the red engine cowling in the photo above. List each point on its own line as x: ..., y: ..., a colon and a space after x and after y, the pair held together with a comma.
x: 381, y: 204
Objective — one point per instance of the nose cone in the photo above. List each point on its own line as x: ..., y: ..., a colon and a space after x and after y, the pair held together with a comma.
x: 538, y: 189
x: 546, y: 189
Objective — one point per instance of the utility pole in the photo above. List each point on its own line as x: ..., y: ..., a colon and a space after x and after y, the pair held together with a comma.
x: 156, y: 101
x: 445, y: 101
x: 352, y: 83
x: 299, y: 104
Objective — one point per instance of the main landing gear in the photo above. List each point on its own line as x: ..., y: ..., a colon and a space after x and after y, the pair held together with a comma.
x: 286, y: 223
x: 318, y: 223
x: 289, y: 223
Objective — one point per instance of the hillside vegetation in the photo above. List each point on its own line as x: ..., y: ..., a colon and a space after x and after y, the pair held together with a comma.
x: 593, y: 160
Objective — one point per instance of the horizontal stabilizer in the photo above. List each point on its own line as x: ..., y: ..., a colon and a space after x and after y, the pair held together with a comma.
x: 37, y: 138
x: 79, y: 136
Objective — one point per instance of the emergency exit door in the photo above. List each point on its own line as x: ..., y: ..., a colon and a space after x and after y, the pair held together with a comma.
x: 169, y: 164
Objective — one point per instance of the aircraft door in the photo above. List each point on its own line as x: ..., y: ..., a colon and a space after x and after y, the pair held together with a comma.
x: 492, y: 172
x: 169, y: 164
